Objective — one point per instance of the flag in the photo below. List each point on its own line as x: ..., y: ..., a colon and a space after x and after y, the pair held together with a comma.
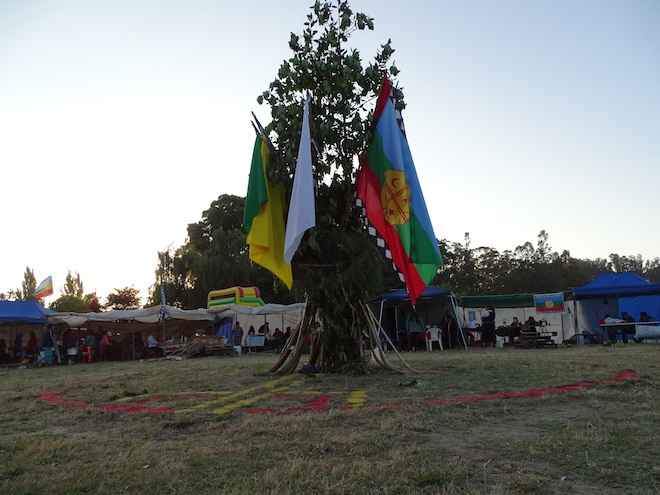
x: 263, y: 217
x: 302, y: 212
x: 391, y: 197
x: 549, y: 303
x: 45, y: 288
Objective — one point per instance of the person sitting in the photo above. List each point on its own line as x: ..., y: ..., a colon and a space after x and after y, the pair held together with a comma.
x: 32, y: 347
x: 18, y: 346
x: 70, y: 343
x: 473, y: 332
x: 264, y: 330
x: 516, y: 327
x: 251, y: 330
x: 4, y: 355
x: 644, y: 317
x: 415, y: 328
x: 153, y: 347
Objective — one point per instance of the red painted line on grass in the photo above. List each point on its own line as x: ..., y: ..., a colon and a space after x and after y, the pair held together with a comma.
x: 623, y: 376
x: 317, y: 405
x: 56, y: 399
x: 321, y: 403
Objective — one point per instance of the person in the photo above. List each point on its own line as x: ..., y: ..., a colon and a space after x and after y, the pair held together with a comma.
x: 278, y: 339
x: 415, y: 329
x: 153, y: 347
x: 18, y: 346
x: 516, y: 326
x: 138, y: 345
x: 473, y: 332
x: 264, y: 330
x: 251, y: 330
x: 104, y: 346
x: 32, y: 346
x: 4, y: 355
x: 644, y: 317
x: 237, y: 334
x: 287, y: 333
x: 70, y: 344
x: 488, y: 327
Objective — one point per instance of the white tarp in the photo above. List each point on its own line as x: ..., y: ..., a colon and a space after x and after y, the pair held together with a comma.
x: 152, y: 314
x: 146, y: 315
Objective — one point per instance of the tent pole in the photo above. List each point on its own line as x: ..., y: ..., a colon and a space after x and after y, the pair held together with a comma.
x: 575, y: 314
x: 380, y: 315
x: 396, y: 322
x: 460, y: 327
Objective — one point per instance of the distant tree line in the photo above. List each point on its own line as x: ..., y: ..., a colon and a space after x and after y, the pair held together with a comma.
x: 215, y: 256
x: 73, y: 298
x: 528, y: 268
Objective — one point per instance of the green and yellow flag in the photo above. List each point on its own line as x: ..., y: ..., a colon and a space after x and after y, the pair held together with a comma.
x: 263, y: 218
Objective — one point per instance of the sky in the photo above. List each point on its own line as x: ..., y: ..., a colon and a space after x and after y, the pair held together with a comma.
x: 120, y: 121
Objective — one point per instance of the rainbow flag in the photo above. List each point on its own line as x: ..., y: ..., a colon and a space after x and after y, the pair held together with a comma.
x: 45, y: 288
x: 549, y: 303
x: 389, y: 192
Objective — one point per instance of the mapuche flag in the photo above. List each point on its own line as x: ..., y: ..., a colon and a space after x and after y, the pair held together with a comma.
x: 263, y: 217
x: 389, y: 191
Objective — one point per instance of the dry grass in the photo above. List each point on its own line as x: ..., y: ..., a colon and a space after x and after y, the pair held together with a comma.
x: 603, y: 440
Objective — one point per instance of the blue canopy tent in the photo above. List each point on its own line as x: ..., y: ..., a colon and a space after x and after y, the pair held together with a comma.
x: 613, y: 294
x: 22, y: 313
x: 395, y: 298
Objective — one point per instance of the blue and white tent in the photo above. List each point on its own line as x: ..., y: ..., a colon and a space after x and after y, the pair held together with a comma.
x: 614, y: 294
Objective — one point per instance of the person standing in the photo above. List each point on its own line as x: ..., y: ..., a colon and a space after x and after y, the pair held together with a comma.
x: 237, y: 334
x: 18, y: 346
x: 104, y: 346
x: 32, y: 347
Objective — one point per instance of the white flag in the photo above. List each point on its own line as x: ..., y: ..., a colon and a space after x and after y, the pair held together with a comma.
x: 302, y: 212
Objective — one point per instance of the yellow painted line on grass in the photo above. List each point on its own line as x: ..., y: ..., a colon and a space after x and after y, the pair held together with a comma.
x: 356, y: 399
x: 173, y: 395
x: 229, y: 408
x: 270, y: 385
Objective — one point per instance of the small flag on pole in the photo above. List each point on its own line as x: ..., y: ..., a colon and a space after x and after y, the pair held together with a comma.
x: 302, y: 212
x: 45, y: 288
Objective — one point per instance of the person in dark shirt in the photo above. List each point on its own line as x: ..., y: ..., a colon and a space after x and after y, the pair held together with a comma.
x: 237, y: 334
x: 32, y: 346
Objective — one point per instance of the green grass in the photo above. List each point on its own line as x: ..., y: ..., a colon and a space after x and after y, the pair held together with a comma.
x: 602, y: 440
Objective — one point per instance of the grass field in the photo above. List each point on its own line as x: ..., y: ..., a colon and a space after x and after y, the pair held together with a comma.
x: 220, y: 425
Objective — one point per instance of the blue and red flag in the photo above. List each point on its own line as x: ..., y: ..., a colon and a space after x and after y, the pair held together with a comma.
x: 389, y: 191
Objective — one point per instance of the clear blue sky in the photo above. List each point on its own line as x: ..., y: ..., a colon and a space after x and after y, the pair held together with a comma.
x: 122, y: 120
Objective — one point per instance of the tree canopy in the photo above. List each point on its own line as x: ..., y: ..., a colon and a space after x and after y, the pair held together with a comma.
x: 214, y: 257
x: 124, y: 298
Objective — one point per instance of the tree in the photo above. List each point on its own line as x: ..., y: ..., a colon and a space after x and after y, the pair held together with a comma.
x: 125, y: 298
x: 214, y: 256
x: 73, y: 298
x: 69, y: 304
x: 29, y: 287
x: 336, y: 263
x: 73, y: 286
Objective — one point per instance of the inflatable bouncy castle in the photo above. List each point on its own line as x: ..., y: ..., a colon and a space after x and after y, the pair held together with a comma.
x: 245, y: 296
